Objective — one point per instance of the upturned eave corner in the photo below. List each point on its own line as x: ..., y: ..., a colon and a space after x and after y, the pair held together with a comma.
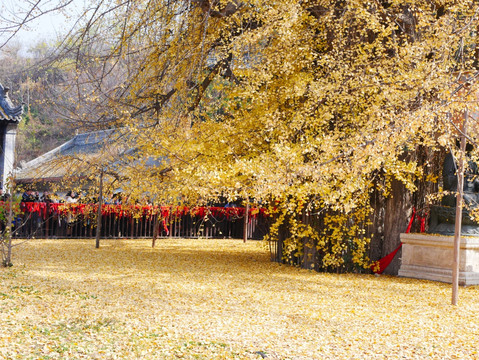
x: 9, y: 112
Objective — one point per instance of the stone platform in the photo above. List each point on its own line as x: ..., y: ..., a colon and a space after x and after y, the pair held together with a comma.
x: 430, y: 257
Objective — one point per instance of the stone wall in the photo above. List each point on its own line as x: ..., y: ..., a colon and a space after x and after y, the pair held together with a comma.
x: 430, y: 257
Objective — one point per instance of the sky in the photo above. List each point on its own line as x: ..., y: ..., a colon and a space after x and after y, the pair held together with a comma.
x: 48, y: 26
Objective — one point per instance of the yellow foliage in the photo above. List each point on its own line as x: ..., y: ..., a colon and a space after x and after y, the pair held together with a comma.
x: 217, y: 299
x: 307, y: 102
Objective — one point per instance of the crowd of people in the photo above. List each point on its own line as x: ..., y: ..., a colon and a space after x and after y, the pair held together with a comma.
x: 47, y: 197
x: 34, y: 196
x: 70, y: 197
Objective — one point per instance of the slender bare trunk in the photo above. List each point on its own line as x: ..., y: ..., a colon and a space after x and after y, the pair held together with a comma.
x: 457, y: 230
x: 7, y: 261
x: 245, y: 224
x: 155, y: 229
x: 99, y: 215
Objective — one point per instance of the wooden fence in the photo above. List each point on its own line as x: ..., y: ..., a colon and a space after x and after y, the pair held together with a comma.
x: 51, y: 220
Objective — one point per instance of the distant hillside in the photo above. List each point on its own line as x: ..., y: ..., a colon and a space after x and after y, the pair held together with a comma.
x: 31, y: 80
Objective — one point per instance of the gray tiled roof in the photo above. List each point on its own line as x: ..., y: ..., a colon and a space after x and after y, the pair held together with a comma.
x: 87, y: 145
x: 8, y: 112
x: 89, y: 142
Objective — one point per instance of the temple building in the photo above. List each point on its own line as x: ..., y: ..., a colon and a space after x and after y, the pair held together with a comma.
x: 56, y: 165
x: 10, y: 116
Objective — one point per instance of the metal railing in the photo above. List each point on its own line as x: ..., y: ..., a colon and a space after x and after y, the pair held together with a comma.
x: 51, y: 220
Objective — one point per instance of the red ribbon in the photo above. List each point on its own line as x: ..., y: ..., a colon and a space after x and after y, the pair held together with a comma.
x: 422, y: 223
x: 379, y: 266
x: 46, y: 210
x: 408, y: 230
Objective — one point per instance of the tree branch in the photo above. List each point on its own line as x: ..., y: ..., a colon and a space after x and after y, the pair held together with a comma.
x: 220, y: 65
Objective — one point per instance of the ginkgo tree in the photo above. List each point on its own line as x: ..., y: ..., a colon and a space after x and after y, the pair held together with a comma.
x: 311, y: 108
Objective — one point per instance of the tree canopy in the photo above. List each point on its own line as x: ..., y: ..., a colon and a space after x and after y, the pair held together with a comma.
x: 301, y: 105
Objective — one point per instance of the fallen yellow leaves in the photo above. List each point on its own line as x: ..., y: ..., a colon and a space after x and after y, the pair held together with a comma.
x: 217, y: 299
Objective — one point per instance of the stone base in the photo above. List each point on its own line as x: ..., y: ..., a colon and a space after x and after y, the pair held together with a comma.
x: 430, y: 257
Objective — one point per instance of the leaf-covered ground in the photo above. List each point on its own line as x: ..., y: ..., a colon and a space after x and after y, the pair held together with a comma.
x: 218, y: 299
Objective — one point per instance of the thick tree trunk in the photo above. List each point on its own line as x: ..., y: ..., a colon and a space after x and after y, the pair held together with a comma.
x: 376, y: 227
x: 432, y: 162
x: 391, y: 216
x: 283, y: 234
x: 396, y: 218
x: 310, y: 253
